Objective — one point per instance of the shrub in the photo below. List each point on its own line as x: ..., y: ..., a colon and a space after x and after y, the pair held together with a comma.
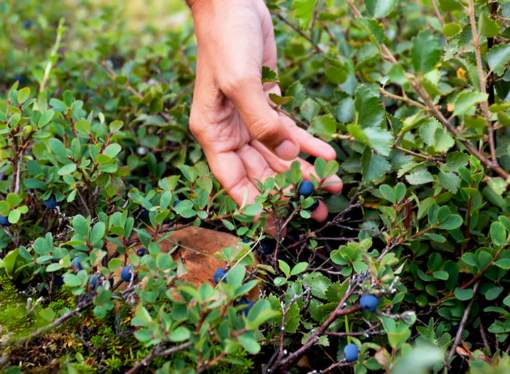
x: 415, y: 99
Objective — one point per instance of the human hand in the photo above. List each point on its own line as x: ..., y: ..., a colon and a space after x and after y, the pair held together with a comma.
x: 243, y: 137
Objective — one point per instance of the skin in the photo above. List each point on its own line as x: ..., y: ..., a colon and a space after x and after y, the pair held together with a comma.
x: 243, y: 137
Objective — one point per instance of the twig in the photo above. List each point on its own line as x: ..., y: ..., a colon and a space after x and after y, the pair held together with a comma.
x: 484, y: 337
x: 462, y: 324
x: 300, y: 32
x: 475, y: 278
x: 411, y: 153
x: 157, y: 353
x: 438, y: 13
x: 335, y: 365
x: 403, y: 98
x: 481, y: 75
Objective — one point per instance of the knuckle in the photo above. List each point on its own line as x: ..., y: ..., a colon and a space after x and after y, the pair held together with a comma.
x: 265, y: 130
x: 234, y: 82
x: 195, y: 126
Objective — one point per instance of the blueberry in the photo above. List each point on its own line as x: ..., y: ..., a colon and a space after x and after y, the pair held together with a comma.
x: 93, y: 282
x: 281, y: 256
x: 266, y: 248
x: 144, y: 213
x: 220, y: 274
x: 76, y: 263
x: 123, y: 203
x: 247, y: 309
x: 351, y: 352
x: 141, y: 251
x: 177, y: 202
x: 59, y: 281
x: 19, y: 78
x: 311, y: 208
x: 4, y: 221
x: 51, y: 202
x: 27, y: 23
x: 369, y: 303
x: 455, y: 327
x: 306, y: 188
x: 125, y: 274
x: 247, y: 241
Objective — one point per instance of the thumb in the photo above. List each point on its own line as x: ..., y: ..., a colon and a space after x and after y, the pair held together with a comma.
x: 262, y: 120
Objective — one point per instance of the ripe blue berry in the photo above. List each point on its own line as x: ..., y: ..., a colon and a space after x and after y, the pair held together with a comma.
x: 144, y: 213
x: 368, y: 303
x: 93, y: 282
x: 51, y: 202
x: 266, y: 248
x: 125, y: 274
x: 177, y: 202
x: 247, y: 309
x: 76, y: 263
x: 141, y: 251
x: 27, y: 23
x: 306, y: 188
x: 59, y: 281
x: 4, y: 221
x: 220, y: 274
x: 351, y: 352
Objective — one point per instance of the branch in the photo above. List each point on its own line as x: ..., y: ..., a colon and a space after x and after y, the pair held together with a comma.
x: 475, y: 278
x: 462, y: 324
x: 300, y: 32
x: 157, y: 353
x: 481, y: 75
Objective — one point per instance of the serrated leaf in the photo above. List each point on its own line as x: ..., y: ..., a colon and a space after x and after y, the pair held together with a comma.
x: 324, y: 127
x: 443, y: 141
x: 449, y: 181
x: 426, y: 53
x: 467, y: 100
x: 420, y: 177
x: 369, y: 110
x: 373, y: 166
x: 380, y: 8
x: 487, y: 27
x: 304, y: 11
x: 498, y: 56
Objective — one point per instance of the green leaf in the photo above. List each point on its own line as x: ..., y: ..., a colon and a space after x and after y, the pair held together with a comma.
x: 280, y: 100
x: 14, y: 216
x: 467, y: 100
x: 297, y: 92
x: 299, y: 268
x: 428, y: 129
x: 451, y: 29
x: 252, y: 210
x: 345, y: 110
x: 67, y: 169
x: 369, y: 110
x: 420, y: 177
x: 249, y: 343
x: 373, y: 166
x: 179, y: 334
x: 82, y: 127
x: 112, y: 150
x: 97, y: 233
x: 374, y: 30
x: 450, y: 5
x: 48, y: 314
x: 425, y: 53
x: 336, y: 75
x: 443, y: 141
x: 449, y: 181
x: 503, y: 263
x: 463, y: 294
x: 23, y: 95
x: 81, y: 226
x: 455, y: 160
x: 380, y: 8
x: 388, y: 193
x: 487, y: 27
x: 309, y: 109
x: 285, y: 267
x: 324, y: 127
x: 268, y: 75
x: 304, y: 11
x: 452, y: 222
x: 498, y: 233
x: 46, y: 118
x: 380, y: 140
x: 498, y: 56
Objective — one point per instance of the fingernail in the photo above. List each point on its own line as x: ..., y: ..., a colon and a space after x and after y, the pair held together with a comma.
x: 287, y: 150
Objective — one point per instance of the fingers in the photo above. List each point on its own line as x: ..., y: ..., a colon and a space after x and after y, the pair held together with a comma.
x: 262, y: 121
x: 280, y: 166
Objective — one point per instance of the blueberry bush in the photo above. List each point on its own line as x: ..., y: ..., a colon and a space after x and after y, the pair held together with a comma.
x: 409, y: 273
